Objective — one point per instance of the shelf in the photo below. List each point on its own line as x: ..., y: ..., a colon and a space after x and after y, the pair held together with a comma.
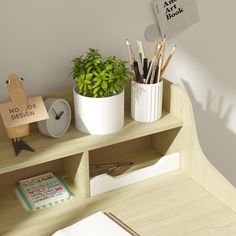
x: 74, y: 142
x: 173, y: 205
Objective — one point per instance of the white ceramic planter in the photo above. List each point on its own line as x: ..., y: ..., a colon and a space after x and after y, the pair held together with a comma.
x: 146, y: 101
x: 99, y: 115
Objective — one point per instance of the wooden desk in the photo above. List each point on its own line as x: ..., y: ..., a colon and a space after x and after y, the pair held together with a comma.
x: 195, y: 200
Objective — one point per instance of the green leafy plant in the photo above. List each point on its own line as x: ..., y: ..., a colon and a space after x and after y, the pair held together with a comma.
x: 96, y: 76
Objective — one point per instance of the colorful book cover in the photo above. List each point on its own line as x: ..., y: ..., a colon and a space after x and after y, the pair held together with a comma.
x: 42, y: 191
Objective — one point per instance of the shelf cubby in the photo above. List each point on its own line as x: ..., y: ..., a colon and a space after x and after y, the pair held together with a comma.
x: 138, y: 151
x: 73, y: 169
x: 137, y: 154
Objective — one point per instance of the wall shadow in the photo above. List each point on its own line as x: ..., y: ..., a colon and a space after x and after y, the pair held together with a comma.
x: 220, y: 148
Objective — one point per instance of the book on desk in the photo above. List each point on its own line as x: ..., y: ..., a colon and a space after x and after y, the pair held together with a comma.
x: 42, y: 191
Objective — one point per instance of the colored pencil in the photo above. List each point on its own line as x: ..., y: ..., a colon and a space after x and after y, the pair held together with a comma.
x: 131, y: 54
x: 168, y: 60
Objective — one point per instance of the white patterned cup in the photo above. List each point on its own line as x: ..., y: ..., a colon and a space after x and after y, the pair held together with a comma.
x: 146, y: 101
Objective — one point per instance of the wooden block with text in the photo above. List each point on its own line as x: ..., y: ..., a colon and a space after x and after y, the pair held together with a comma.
x: 13, y: 116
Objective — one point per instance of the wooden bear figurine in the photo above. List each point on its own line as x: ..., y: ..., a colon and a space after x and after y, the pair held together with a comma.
x: 18, y: 96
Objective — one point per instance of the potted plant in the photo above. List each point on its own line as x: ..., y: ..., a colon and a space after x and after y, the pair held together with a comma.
x: 99, y: 92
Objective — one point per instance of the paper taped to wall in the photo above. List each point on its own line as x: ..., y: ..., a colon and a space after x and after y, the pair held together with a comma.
x: 174, y: 16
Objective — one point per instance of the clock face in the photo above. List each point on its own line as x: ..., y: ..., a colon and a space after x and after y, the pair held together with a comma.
x: 59, y: 118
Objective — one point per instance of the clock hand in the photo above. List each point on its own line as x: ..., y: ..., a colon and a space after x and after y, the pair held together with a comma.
x: 55, y: 113
x: 59, y: 116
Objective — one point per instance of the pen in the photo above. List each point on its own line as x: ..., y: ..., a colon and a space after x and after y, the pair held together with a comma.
x: 145, y: 68
x: 130, y: 231
x: 137, y: 73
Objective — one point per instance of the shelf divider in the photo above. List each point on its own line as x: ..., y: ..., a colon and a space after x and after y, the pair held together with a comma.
x: 77, y: 169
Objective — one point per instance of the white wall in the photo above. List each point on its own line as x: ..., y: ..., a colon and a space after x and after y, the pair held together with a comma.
x: 205, y: 66
x: 39, y: 38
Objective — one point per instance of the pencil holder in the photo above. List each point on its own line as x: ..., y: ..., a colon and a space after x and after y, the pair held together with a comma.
x: 146, y: 101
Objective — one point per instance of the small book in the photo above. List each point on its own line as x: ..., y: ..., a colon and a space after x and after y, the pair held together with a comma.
x: 174, y: 16
x: 42, y: 191
x: 98, y: 224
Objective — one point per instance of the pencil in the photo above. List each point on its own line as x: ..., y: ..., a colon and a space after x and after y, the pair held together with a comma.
x: 131, y: 54
x: 159, y: 71
x: 154, y: 69
x: 151, y: 68
x: 139, y: 51
x: 142, y: 49
x: 168, y: 60
x: 163, y: 51
x: 154, y: 50
x: 159, y: 49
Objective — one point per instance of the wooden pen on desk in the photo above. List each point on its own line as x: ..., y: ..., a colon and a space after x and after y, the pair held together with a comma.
x: 121, y: 224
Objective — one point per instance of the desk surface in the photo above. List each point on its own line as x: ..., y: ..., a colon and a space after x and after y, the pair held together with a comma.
x: 167, y: 205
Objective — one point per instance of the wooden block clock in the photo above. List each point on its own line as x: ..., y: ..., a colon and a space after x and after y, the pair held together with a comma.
x: 18, y: 111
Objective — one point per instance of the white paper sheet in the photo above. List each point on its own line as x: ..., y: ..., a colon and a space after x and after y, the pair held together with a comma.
x: 97, y: 224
